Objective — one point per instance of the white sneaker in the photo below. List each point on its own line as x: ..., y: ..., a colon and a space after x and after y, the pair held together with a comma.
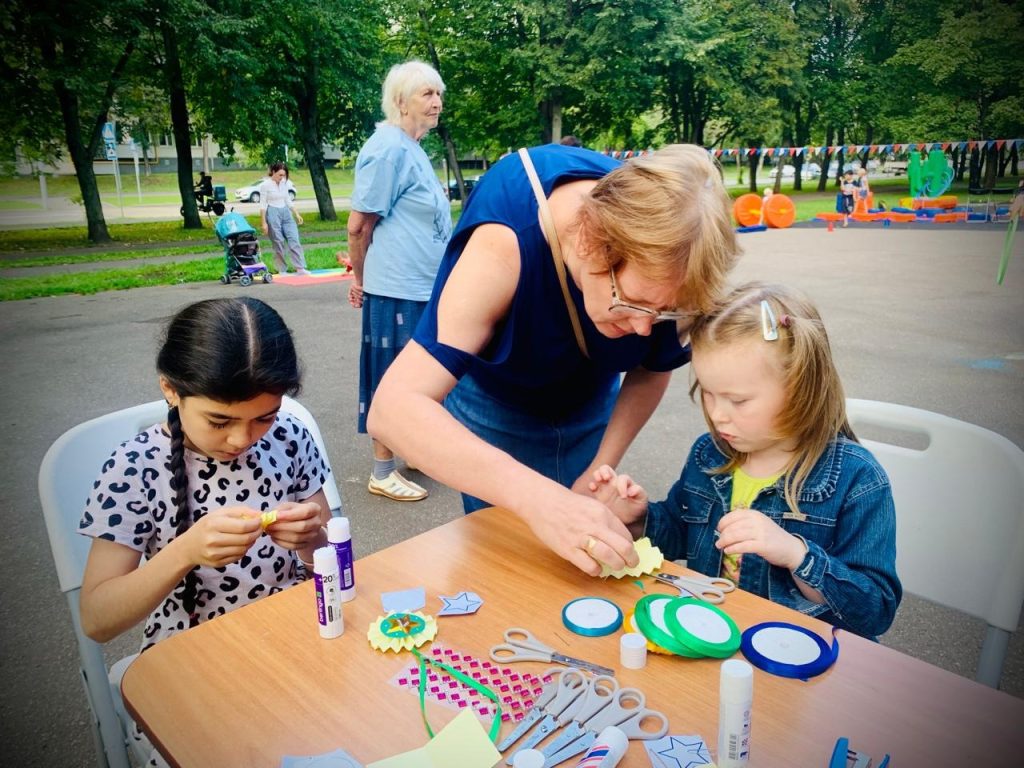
x: 302, y: 272
x: 396, y: 488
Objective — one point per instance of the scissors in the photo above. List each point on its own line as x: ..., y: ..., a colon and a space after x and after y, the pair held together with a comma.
x: 521, y: 645
x: 554, y: 697
x: 710, y: 589
x: 627, y: 710
x: 599, y: 693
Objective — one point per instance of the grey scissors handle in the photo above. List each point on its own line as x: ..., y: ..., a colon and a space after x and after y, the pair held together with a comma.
x: 710, y: 589
x: 521, y: 645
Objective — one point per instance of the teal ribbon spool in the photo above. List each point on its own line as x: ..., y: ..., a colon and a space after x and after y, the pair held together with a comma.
x: 687, y: 627
x: 592, y: 616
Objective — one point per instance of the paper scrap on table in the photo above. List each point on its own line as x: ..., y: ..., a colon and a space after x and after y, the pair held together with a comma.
x: 650, y: 560
x: 463, y: 742
x: 679, y: 752
x: 339, y: 758
x: 461, y: 604
x: 404, y: 600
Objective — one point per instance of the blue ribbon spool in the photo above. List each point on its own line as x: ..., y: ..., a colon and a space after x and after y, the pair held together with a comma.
x: 799, y: 643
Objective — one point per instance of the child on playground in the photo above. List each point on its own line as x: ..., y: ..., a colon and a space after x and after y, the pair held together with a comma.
x: 779, y: 496
x: 845, y: 198
x: 175, y: 514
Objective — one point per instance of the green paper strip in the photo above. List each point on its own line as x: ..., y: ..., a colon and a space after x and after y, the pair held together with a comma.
x: 478, y: 687
x: 697, y: 644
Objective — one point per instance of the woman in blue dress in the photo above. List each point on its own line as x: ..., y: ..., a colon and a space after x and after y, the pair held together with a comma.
x: 497, y: 394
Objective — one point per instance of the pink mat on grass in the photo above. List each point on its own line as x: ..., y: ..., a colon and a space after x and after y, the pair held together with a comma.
x: 316, y: 277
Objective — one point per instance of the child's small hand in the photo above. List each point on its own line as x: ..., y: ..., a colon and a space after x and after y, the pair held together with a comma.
x: 627, y: 499
x: 747, y: 530
x: 297, y: 525
x: 222, y: 537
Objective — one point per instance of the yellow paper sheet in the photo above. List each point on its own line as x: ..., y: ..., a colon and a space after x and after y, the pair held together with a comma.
x: 650, y: 560
x: 463, y: 742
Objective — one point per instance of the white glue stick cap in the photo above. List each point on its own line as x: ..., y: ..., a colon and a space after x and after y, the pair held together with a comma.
x: 338, y: 529
x: 614, y: 740
x: 325, y: 560
x: 528, y: 758
x: 737, y: 681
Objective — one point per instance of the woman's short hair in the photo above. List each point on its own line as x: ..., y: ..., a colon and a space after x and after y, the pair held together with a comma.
x: 402, y: 82
x: 666, y: 213
x: 814, y: 413
x: 278, y: 166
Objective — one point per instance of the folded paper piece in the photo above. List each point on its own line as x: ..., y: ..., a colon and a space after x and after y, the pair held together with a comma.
x: 679, y: 752
x: 339, y: 758
x: 650, y: 561
x: 404, y: 600
x: 461, y: 604
x: 401, y: 631
x: 463, y: 743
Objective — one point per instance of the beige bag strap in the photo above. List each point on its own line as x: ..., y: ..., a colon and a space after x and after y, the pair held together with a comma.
x: 556, y: 249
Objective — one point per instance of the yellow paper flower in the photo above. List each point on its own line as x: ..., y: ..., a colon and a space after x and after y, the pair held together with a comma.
x: 650, y: 561
x: 401, y: 631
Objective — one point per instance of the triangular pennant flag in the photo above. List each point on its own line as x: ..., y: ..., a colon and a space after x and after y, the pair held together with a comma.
x: 945, y: 145
x: 999, y: 144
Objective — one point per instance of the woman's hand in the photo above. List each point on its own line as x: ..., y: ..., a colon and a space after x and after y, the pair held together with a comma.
x: 266, y: 228
x: 625, y: 498
x: 298, y: 219
x: 585, y: 532
x: 355, y: 294
x: 297, y: 525
x: 221, y: 537
x: 747, y: 530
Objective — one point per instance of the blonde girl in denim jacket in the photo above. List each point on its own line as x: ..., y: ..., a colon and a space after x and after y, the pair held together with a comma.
x: 779, y: 496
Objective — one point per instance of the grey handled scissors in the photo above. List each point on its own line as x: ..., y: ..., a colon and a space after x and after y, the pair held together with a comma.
x: 564, y: 682
x: 521, y: 645
x: 710, y: 589
x: 600, y: 691
x: 631, y: 720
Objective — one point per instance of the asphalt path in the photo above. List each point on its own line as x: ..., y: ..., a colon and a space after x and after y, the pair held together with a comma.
x: 915, y: 317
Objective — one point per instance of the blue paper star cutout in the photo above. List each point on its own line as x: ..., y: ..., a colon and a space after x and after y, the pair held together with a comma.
x: 686, y: 755
x: 466, y: 602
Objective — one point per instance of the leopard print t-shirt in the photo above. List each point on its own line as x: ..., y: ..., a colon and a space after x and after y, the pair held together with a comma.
x: 132, y: 504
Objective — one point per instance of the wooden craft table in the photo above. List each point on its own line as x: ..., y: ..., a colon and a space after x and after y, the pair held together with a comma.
x: 259, y: 683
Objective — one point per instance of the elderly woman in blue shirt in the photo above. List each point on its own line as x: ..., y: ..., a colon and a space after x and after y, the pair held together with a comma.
x: 398, y: 229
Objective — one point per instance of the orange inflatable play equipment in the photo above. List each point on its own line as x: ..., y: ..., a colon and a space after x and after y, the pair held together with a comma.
x: 779, y: 212
x: 900, y: 217
x: 863, y: 206
x: 747, y: 209
x: 947, y: 218
x: 943, y: 201
x: 830, y: 217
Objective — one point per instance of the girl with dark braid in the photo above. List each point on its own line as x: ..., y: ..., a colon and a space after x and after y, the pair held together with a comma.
x: 175, y: 515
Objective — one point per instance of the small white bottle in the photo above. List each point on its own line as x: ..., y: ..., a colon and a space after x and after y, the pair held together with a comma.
x: 339, y: 536
x: 735, y: 701
x: 528, y: 758
x: 328, y: 597
x: 607, y: 750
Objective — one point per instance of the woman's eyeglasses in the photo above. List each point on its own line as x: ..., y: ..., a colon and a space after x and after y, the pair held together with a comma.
x: 618, y: 305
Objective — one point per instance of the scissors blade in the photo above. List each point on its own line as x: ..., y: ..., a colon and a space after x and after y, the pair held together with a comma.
x: 569, y: 661
x: 525, y: 724
x: 546, y: 726
x: 582, y: 744
x: 572, y: 732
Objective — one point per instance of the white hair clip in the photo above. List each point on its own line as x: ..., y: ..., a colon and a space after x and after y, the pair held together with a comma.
x: 769, y: 327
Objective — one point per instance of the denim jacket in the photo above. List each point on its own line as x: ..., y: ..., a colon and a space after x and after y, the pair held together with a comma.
x: 846, y: 517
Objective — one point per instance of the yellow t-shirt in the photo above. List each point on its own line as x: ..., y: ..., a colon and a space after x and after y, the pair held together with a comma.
x: 744, y: 490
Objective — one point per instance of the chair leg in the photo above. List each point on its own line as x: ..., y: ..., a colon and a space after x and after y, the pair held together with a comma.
x: 993, y: 653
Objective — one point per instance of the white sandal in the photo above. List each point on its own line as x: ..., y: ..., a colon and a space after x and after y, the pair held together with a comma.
x: 396, y: 488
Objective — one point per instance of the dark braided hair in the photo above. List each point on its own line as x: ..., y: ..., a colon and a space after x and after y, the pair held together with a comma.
x: 228, y: 350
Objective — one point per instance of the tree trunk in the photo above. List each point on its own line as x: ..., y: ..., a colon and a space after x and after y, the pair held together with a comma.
x: 991, y: 166
x: 752, y: 161
x: 1014, y: 154
x: 442, y: 129
x: 840, y: 155
x: 179, y: 124
x: 974, y: 177
x: 82, y: 159
x: 312, y: 143
x: 825, y: 160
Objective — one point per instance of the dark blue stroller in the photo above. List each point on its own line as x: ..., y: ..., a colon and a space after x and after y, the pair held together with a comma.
x: 241, y: 250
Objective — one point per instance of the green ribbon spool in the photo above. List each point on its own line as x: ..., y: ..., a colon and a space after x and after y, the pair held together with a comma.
x: 677, y: 635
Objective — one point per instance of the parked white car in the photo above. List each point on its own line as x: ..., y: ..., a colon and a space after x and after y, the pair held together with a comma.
x: 251, y: 193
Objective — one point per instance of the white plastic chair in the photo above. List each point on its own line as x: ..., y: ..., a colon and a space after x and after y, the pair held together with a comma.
x: 959, y: 516
x: 66, y: 476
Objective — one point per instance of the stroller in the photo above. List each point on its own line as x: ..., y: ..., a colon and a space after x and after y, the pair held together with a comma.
x: 241, y: 250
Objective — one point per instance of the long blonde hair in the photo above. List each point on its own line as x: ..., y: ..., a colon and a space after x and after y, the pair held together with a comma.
x: 815, y: 410
x: 668, y: 215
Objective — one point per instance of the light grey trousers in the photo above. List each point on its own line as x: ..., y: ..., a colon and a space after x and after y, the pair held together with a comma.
x: 284, y: 232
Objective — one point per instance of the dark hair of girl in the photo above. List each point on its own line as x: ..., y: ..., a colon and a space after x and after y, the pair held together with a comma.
x: 228, y: 350
x: 278, y: 166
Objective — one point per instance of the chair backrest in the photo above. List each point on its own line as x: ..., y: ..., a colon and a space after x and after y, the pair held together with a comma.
x: 66, y: 476
x: 959, y: 508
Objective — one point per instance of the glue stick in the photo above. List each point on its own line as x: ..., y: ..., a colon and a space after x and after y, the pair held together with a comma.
x: 328, y: 597
x: 607, y: 749
x: 735, y: 701
x: 339, y: 535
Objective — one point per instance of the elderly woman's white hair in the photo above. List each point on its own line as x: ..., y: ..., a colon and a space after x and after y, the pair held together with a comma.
x: 402, y: 82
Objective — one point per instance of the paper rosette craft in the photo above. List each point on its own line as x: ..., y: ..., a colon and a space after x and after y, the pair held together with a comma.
x: 650, y: 560
x: 401, y: 631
